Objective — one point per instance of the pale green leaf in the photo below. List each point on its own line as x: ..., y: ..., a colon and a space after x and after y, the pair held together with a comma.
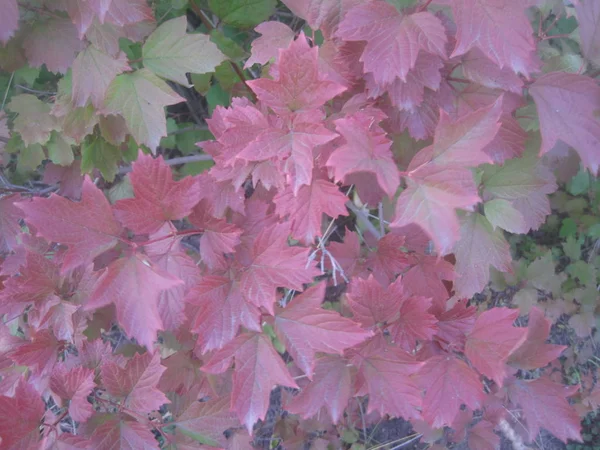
x: 170, y: 52
x: 59, y: 150
x: 501, y: 213
x: 140, y: 97
x: 34, y: 122
x: 30, y: 158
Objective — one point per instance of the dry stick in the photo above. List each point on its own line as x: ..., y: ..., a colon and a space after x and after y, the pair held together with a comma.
x: 363, y: 218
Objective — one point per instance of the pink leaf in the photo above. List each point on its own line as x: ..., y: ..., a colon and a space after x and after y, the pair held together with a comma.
x: 307, y: 328
x: 9, y: 223
x: 493, y: 340
x: 74, y: 385
x: 275, y: 36
x: 87, y: 227
x: 588, y: 17
x: 9, y: 21
x: 20, y: 418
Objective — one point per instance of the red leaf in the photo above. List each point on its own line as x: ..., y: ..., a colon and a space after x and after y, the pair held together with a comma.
x: 9, y: 223
x: 39, y: 354
x: 389, y: 260
x: 384, y: 373
x: 275, y: 36
x: 306, y: 209
x: 136, y: 383
x: 481, y: 70
x: 134, y: 287
x: 455, y: 324
x: 373, y: 304
x: 499, y: 28
x: 479, y: 247
x: 124, y: 435
x: 367, y: 149
x: 482, y: 436
x: 208, y: 419
x: 87, y: 227
x: 74, y: 385
x: 394, y: 40
x: 567, y: 106
x: 321, y: 14
x: 222, y: 310
x: 9, y: 21
x: 272, y: 264
x: 534, y: 353
x: 425, y: 279
x: 330, y: 389
x: 414, y: 324
x: 433, y: 194
x: 125, y: 12
x: 20, y: 418
x: 158, y: 198
x: 258, y: 368
x: 290, y: 92
x: 449, y: 382
x: 219, y: 237
x: 307, y: 328
x: 588, y: 17
x: 544, y: 405
x: 492, y: 341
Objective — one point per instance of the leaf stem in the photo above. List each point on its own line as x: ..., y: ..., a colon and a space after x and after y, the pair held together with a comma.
x: 168, y: 236
x: 363, y: 218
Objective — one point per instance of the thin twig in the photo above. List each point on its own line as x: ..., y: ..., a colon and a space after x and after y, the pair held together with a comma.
x: 363, y: 218
x: 35, y: 91
x: 12, y: 75
x: 175, y: 161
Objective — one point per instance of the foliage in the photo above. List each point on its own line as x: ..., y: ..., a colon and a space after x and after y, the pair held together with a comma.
x: 364, y: 171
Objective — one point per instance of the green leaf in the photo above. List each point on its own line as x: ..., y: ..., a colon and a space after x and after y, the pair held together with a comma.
x: 201, y: 82
x: 402, y: 4
x: 195, y: 168
x: 216, y: 96
x: 34, y: 121
x: 226, y: 76
x: 171, y: 140
x: 170, y: 52
x: 242, y: 13
x: 568, y: 228
x: 572, y: 248
x: 580, y: 183
x: 59, y: 150
x: 501, y: 213
x: 228, y: 46
x: 186, y: 141
x: 140, y: 97
x: 99, y: 154
x: 30, y: 158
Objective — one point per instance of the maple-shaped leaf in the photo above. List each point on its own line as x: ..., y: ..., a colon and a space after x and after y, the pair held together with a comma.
x: 306, y: 328
x: 414, y: 324
x: 53, y: 42
x: 157, y: 197
x: 136, y: 383
x: 478, y: 68
x: 258, y: 368
x: 275, y: 36
x: 385, y: 374
x: 544, y: 404
x: 74, y: 385
x: 299, y: 85
x: 567, y: 106
x: 330, y: 389
x: 373, y: 304
x: 170, y: 52
x: 20, y: 418
x: 394, y: 39
x: 221, y: 311
x: 482, y: 436
x: 93, y: 70
x: 449, y: 383
x: 9, y: 223
x: 492, y: 340
x: 207, y: 421
x: 500, y: 29
x: 34, y: 122
x: 433, y: 194
x: 272, y: 264
x: 306, y: 209
x: 87, y: 227
x: 293, y: 142
x: 479, y: 247
x: 534, y: 353
x: 140, y: 97
x: 323, y: 15
x: 389, y: 260
x: 134, y: 286
x: 455, y: 324
x: 9, y: 21
x: 426, y: 279
x: 125, y: 434
x: 218, y: 239
x: 588, y: 18
x: 367, y: 149
x: 128, y: 12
